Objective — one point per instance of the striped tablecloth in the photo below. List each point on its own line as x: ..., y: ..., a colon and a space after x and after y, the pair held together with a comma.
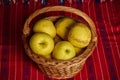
x: 104, y: 64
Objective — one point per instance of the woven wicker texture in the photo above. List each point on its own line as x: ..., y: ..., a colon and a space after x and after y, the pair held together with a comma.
x: 56, y: 68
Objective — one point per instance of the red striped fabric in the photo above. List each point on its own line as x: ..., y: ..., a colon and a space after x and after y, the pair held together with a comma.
x: 103, y: 64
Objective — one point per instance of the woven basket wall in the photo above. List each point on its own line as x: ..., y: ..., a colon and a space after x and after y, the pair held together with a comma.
x: 55, y: 68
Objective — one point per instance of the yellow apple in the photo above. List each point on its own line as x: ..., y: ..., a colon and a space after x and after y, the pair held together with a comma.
x: 63, y: 25
x: 45, y: 25
x: 64, y: 50
x: 41, y: 44
x: 79, y: 35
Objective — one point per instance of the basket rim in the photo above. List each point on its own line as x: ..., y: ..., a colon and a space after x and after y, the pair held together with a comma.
x: 78, y: 12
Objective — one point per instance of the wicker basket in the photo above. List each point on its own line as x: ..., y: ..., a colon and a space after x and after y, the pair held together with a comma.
x: 55, y: 68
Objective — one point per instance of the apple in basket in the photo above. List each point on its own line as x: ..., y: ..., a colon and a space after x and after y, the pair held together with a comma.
x: 64, y: 50
x: 45, y: 25
x: 63, y: 25
x: 42, y: 44
x: 79, y: 35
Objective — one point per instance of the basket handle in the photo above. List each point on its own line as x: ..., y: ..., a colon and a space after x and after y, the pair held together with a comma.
x: 78, y: 12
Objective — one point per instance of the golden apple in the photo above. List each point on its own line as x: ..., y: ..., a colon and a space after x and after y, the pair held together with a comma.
x: 64, y: 50
x: 63, y: 25
x: 41, y: 44
x: 79, y: 35
x: 45, y: 25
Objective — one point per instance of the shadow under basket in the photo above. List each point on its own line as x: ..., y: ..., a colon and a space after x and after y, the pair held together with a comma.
x: 56, y: 68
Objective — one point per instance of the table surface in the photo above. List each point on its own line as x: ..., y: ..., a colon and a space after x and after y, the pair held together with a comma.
x: 103, y: 64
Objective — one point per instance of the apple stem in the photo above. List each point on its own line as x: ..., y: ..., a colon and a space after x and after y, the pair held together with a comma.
x: 67, y: 51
